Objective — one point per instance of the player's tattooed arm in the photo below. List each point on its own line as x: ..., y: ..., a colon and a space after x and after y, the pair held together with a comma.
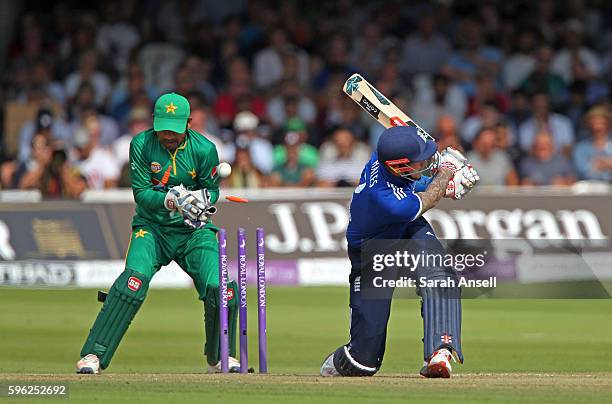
x: 436, y: 190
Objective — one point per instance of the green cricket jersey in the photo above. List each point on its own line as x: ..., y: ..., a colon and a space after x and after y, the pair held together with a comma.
x: 154, y: 170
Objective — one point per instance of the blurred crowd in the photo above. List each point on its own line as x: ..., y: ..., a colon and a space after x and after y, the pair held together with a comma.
x: 523, y: 87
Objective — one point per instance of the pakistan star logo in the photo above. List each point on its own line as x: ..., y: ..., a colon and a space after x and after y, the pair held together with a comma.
x: 192, y: 173
x: 378, y: 95
x: 141, y: 233
x: 351, y: 84
x: 171, y: 108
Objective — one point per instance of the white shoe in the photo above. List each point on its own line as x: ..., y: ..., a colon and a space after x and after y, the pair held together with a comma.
x: 439, y: 365
x: 233, y: 365
x: 89, y: 364
x: 327, y: 368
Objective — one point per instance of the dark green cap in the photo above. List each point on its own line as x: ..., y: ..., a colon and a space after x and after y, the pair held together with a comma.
x: 171, y: 113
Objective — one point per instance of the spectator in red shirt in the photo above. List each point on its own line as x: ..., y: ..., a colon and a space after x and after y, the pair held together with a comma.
x: 238, y: 95
x: 486, y: 92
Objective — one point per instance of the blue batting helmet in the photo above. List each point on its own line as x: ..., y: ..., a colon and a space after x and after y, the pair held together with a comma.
x: 399, y: 146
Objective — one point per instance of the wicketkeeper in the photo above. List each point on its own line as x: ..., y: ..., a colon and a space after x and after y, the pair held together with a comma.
x: 392, y: 195
x: 175, y: 184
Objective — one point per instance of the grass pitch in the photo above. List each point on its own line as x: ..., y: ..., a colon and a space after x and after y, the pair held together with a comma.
x: 515, y: 350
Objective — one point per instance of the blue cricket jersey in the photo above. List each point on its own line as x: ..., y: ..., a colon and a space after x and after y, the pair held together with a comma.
x: 383, y: 205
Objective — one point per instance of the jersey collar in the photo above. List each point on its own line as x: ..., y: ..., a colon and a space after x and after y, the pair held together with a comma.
x: 179, y: 148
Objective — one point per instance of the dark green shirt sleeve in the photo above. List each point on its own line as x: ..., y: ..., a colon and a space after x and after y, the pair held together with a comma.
x: 209, y: 161
x: 142, y: 187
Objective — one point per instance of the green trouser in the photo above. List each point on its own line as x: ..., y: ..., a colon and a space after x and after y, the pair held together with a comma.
x: 151, y: 247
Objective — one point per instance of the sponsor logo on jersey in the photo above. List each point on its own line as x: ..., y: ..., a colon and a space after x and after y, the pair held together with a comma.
x: 134, y: 283
x: 230, y: 293
x: 156, y: 167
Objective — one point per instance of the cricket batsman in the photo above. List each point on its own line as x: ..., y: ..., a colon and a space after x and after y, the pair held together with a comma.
x: 393, y: 193
x: 175, y: 184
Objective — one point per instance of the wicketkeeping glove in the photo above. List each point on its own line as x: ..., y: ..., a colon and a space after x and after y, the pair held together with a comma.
x: 194, y: 206
x: 173, y: 195
x: 207, y: 212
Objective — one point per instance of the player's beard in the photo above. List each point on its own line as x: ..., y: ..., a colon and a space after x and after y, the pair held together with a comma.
x: 172, y: 142
x: 171, y: 145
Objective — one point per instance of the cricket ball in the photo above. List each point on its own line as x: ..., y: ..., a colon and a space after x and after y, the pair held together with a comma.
x: 224, y: 170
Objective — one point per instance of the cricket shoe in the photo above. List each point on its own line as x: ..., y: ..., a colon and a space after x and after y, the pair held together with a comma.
x: 439, y: 365
x: 327, y: 368
x: 89, y: 364
x: 233, y: 366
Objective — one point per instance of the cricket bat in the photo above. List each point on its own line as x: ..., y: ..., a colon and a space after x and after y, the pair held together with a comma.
x: 379, y: 106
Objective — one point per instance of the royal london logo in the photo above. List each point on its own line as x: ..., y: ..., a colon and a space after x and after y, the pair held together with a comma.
x: 155, y: 167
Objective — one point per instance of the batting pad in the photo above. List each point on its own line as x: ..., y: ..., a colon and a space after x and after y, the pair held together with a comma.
x: 121, y: 305
x: 212, y: 326
x: 441, y: 311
